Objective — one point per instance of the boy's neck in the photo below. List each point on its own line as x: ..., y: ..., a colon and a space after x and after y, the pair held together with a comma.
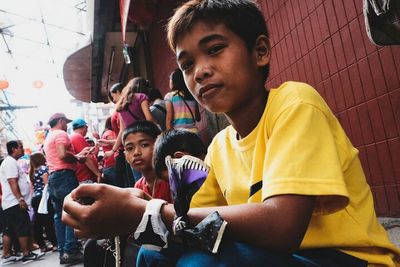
x: 246, y: 118
x: 149, y: 176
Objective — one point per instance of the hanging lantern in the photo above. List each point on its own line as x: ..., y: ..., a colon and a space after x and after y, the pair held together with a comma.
x: 37, y: 84
x: 4, y: 84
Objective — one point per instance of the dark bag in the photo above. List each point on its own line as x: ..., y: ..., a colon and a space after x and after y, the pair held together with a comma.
x: 163, y: 110
x: 97, y: 256
x: 382, y: 21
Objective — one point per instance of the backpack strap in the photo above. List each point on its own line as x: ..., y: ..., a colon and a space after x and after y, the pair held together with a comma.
x: 160, y: 108
x: 191, y: 113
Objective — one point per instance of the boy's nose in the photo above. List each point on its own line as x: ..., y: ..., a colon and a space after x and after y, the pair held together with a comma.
x: 202, y: 72
x: 137, y: 152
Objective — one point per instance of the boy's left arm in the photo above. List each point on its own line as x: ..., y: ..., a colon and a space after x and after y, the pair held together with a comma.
x: 279, y: 223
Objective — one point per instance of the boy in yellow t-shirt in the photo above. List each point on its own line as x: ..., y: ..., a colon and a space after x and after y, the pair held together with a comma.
x: 284, y: 175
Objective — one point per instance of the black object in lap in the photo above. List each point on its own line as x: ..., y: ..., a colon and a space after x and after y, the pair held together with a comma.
x: 124, y: 175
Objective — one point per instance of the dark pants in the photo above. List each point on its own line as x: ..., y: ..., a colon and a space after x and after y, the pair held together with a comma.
x: 43, y: 221
x: 110, y: 176
x: 16, y: 222
x: 239, y: 254
x: 61, y: 183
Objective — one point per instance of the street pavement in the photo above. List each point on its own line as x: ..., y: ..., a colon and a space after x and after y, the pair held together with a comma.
x: 49, y: 260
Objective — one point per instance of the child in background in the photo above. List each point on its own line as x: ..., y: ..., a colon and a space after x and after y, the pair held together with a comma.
x: 138, y: 141
x: 284, y: 175
x: 133, y: 105
x: 39, y: 174
x: 176, y: 143
x: 182, y: 109
x: 157, y: 108
x: 123, y: 172
x: 109, y: 171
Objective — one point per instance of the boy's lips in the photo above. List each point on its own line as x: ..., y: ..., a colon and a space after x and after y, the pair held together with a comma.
x: 208, y: 90
x: 137, y: 161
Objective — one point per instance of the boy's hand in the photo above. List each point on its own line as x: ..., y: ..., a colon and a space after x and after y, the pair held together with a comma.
x: 112, y: 211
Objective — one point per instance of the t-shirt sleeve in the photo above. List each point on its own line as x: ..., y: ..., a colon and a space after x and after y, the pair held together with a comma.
x: 42, y: 170
x: 115, y: 122
x: 79, y: 143
x: 61, y: 138
x: 168, y: 97
x: 11, y: 170
x: 302, y: 158
x: 141, y: 97
x: 209, y: 194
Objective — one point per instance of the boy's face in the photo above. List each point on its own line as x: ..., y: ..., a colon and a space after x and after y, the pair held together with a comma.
x: 218, y: 68
x: 139, y: 151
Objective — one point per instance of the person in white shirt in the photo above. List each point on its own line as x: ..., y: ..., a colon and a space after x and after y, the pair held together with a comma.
x: 16, y: 189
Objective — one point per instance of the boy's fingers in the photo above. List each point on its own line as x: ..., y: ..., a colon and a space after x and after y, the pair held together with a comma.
x: 74, y: 209
x: 70, y: 220
x: 86, y: 190
x: 82, y: 234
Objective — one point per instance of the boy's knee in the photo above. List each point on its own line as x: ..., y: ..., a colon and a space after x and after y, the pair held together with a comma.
x: 147, y: 257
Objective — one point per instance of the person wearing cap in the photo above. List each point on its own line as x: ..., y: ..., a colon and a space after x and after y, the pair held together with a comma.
x: 62, y: 161
x: 88, y: 171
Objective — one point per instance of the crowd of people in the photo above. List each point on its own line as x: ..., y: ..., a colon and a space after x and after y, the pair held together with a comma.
x: 283, y: 178
x: 68, y: 160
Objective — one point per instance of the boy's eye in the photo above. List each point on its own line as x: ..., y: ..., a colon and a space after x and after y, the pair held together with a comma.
x: 215, y: 49
x: 129, y: 148
x: 186, y: 65
x: 145, y: 145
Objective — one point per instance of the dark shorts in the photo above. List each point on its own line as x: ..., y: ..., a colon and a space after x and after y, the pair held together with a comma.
x: 16, y: 220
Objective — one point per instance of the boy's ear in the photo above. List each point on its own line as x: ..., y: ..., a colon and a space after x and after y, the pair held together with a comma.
x: 179, y: 154
x: 262, y: 50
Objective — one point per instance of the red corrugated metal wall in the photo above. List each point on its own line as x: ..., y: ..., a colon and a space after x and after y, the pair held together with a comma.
x: 324, y: 43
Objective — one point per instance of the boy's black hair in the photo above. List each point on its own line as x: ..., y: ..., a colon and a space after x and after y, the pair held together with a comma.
x: 146, y: 127
x: 179, y: 84
x: 154, y: 94
x: 12, y: 144
x: 116, y: 87
x: 141, y: 85
x: 242, y: 17
x: 175, y: 140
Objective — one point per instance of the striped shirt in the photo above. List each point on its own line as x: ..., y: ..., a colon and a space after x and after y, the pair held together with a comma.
x: 183, y: 117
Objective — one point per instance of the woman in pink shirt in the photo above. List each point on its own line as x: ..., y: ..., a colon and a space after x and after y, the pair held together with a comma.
x: 132, y: 106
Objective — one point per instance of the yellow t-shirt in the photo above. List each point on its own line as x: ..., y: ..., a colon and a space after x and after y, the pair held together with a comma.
x: 299, y: 147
